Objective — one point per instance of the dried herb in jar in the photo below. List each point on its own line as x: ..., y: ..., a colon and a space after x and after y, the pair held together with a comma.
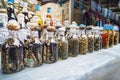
x: 63, y: 49
x: 73, y: 47
x: 96, y: 43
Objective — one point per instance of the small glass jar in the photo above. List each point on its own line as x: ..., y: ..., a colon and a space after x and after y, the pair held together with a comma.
x: 62, y: 45
x: 83, y: 41
x: 96, y: 39
x: 50, y: 47
x: 90, y: 39
x: 73, y: 42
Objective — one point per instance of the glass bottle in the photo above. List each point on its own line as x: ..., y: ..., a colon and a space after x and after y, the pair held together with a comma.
x: 49, y: 17
x: 90, y: 39
x: 100, y: 32
x: 12, y: 52
x: 50, y: 48
x: 83, y: 41
x: 96, y: 39
x: 33, y: 47
x: 40, y: 21
x: 11, y: 11
x: 73, y: 42
x: 111, y: 38
x: 25, y: 12
x: 62, y: 45
x: 105, y: 37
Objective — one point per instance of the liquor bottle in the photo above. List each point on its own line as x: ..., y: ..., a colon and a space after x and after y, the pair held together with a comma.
x: 25, y: 12
x: 10, y: 11
x: 49, y: 16
x: 40, y: 21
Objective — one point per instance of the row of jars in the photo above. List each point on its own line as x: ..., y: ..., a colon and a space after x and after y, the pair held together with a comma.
x: 54, y: 44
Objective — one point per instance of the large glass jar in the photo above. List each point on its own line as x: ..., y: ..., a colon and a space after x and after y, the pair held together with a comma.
x: 96, y: 39
x: 90, y: 39
x: 73, y: 42
x: 50, y: 47
x: 83, y: 41
x: 62, y: 44
x: 111, y: 38
x: 12, y: 55
x: 100, y: 34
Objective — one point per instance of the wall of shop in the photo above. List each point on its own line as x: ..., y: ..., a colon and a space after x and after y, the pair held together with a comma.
x: 58, y: 12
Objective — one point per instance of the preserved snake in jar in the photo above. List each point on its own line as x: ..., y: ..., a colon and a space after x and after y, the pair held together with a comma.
x: 50, y: 47
x: 12, y: 55
x: 33, y: 52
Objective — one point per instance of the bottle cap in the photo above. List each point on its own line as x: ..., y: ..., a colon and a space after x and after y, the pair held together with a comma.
x: 38, y: 7
x: 49, y: 10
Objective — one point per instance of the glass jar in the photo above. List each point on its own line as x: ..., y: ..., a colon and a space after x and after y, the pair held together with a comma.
x: 73, y: 42
x: 12, y: 55
x: 90, y: 39
x: 116, y: 34
x: 83, y: 41
x: 33, y: 48
x: 105, y: 37
x: 96, y: 39
x: 100, y: 34
x: 50, y: 48
x: 62, y: 45
x: 111, y: 38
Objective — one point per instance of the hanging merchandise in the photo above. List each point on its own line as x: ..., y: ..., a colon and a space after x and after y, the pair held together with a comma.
x: 62, y: 44
x: 96, y: 39
x: 83, y: 40
x: 105, y: 37
x: 90, y: 39
x: 12, y: 50
x: 11, y: 11
x: 50, y: 47
x: 111, y: 38
x: 73, y: 42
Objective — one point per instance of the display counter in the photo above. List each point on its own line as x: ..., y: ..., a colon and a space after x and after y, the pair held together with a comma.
x: 100, y: 65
